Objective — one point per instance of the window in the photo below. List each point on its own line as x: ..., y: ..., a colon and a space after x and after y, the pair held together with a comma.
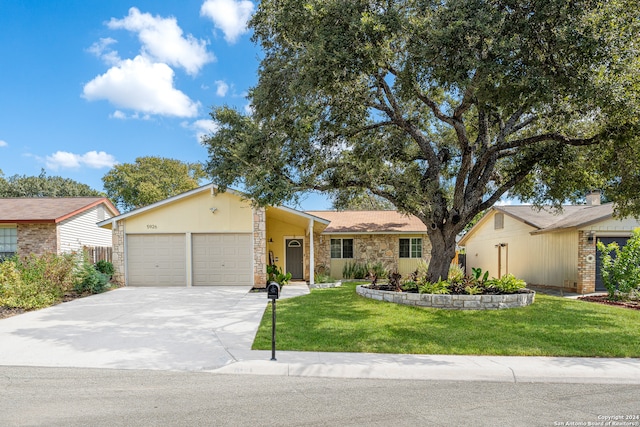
x: 8, y: 242
x: 411, y: 248
x: 498, y: 221
x: 341, y: 248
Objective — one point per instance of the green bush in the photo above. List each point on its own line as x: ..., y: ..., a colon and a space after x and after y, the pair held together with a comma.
x: 275, y: 274
x: 90, y: 280
x: 105, y: 267
x: 456, y: 273
x: 36, y: 281
x: 439, y: 287
x: 621, y: 274
x: 377, y: 269
x: 507, y: 284
x: 355, y: 270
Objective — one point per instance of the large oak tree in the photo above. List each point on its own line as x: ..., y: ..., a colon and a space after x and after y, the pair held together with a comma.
x: 440, y: 107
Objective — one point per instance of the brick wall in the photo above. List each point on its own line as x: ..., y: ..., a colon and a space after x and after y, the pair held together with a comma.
x: 37, y: 239
x: 586, y: 263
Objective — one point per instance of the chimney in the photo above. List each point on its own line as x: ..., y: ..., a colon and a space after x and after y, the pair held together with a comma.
x: 593, y: 198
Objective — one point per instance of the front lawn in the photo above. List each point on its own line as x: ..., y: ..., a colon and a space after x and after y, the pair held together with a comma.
x: 338, y: 320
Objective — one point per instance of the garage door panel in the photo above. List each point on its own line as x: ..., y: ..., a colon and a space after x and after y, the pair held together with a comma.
x: 156, y: 260
x: 222, y: 259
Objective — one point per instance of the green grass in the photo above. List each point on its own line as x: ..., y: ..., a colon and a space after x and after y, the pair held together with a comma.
x: 339, y: 320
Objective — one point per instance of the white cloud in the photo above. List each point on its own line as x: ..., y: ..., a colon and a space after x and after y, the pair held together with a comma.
x: 202, y: 128
x: 248, y: 109
x: 230, y: 16
x: 91, y: 159
x: 102, y: 50
x: 221, y: 88
x: 3, y: 143
x: 143, y: 86
x: 163, y: 41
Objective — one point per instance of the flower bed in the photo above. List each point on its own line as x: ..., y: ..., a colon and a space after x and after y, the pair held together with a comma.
x: 455, y: 302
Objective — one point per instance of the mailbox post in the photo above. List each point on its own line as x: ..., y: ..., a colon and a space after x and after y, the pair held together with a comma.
x: 273, y: 293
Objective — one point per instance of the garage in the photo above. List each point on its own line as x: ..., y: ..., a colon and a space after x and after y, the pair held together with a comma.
x: 222, y: 259
x: 156, y: 260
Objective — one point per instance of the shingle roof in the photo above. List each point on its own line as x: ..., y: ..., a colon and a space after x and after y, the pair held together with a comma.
x: 47, y: 209
x: 547, y: 219
x: 370, y: 222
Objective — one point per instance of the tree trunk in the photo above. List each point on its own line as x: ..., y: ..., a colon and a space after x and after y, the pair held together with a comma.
x: 443, y: 250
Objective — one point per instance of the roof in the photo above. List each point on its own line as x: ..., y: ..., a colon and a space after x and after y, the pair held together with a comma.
x: 47, y: 209
x: 370, y: 222
x: 547, y: 219
x: 208, y: 187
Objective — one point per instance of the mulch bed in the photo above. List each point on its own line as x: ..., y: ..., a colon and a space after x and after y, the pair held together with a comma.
x: 604, y: 299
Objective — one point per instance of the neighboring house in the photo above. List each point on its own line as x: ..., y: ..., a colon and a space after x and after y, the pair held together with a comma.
x: 203, y: 237
x: 397, y: 241
x: 46, y: 224
x: 544, y: 247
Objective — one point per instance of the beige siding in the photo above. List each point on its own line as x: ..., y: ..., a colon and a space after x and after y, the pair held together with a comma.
x: 81, y: 230
x: 194, y: 214
x: 543, y: 259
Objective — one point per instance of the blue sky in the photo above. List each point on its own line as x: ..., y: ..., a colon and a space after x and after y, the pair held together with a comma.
x: 86, y: 84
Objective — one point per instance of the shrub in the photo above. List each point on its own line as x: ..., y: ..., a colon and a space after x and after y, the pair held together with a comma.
x: 105, y: 267
x: 275, y: 274
x: 621, y: 274
x: 35, y: 281
x: 507, y: 284
x: 439, y: 287
x: 456, y: 273
x: 90, y: 280
x: 355, y: 270
x: 379, y: 270
x: 323, y: 278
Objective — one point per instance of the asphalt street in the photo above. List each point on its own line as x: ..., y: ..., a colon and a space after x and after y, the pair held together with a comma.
x: 31, y: 396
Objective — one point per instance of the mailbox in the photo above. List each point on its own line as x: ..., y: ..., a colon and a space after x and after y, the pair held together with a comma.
x: 273, y: 290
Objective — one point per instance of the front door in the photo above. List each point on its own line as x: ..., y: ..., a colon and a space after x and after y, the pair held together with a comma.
x: 295, y: 264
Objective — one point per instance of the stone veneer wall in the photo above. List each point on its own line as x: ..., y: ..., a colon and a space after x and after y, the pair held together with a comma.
x: 453, y: 302
x: 322, y: 255
x: 37, y: 239
x: 259, y: 248
x: 586, y: 263
x: 117, y: 257
x: 369, y: 247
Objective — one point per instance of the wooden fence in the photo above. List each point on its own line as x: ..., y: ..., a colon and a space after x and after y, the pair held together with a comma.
x: 98, y: 253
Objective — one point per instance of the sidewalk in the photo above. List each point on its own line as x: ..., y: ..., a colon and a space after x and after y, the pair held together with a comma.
x: 421, y: 367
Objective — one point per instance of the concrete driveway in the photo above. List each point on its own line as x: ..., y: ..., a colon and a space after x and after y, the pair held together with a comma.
x: 137, y: 328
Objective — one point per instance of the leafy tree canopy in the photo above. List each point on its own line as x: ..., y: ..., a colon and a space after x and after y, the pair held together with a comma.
x: 360, y: 201
x: 149, y: 180
x: 43, y: 186
x: 440, y: 107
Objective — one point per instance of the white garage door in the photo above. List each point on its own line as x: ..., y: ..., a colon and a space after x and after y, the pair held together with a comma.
x: 222, y: 259
x: 156, y: 260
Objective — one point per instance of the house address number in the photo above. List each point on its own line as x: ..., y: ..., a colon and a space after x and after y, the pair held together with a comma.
x: 151, y: 227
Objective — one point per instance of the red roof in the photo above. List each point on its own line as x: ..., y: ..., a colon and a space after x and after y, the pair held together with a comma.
x: 370, y: 222
x: 48, y: 209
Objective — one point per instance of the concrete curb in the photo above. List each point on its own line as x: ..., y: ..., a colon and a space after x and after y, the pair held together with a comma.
x: 440, y: 367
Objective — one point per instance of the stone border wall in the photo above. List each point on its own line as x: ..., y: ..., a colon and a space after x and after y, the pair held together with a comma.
x: 453, y: 302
